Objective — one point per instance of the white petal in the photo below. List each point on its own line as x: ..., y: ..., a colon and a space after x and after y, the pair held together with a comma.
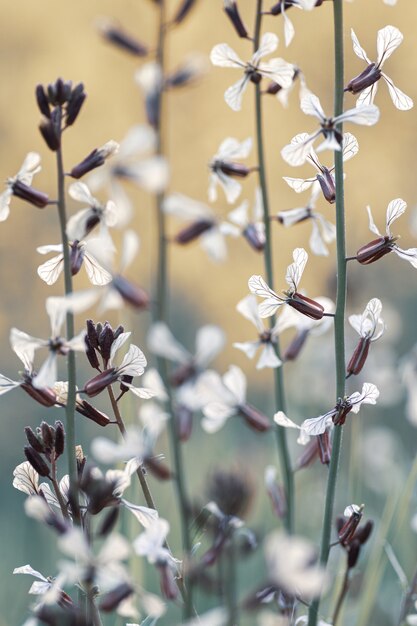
x: 239, y: 216
x: 222, y: 55
x: 131, y: 246
x: 282, y: 420
x: 357, y: 48
x: 268, y: 357
x: 367, y: 96
x: 233, y: 95
x: 81, y: 193
x: 134, y: 362
x: 259, y: 287
x: 269, y: 43
x: 24, y: 346
x: 409, y: 255
x: 316, y: 241
x: 310, y: 105
x: 296, y: 269
x: 141, y: 392
x: 152, y: 173
x: 394, y: 210
x: 231, y: 148
x: 95, y: 272
x: 48, y: 373
x: 279, y: 71
x: 235, y: 381
x: 289, y: 30
x: 298, y: 185
x: 318, y: 425
x: 143, y: 514
x: 138, y: 140
x: 163, y: 343
x: 214, y: 244
x: 400, y: 100
x: 350, y: 146
x: 7, y: 384
x: 186, y: 208
x: 5, y: 198
x: 388, y: 40
x: 52, y: 248
x: 28, y: 569
x: 368, y: 395
x: 296, y: 153
x: 117, y: 344
x: 215, y: 416
x: 50, y: 271
x: 30, y: 166
x: 372, y: 226
x: 269, y: 307
x: 210, y: 341
x: 363, y: 115
x: 248, y: 347
x: 231, y: 187
x: 248, y: 307
x: 26, y: 479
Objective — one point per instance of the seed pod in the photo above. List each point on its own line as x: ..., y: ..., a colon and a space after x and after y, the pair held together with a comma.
x: 374, y: 250
x: 309, y: 455
x: 254, y: 418
x: 36, y: 461
x: 306, y: 306
x: 324, y: 447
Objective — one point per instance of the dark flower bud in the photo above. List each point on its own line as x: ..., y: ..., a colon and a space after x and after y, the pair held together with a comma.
x: 45, y: 397
x: 92, y: 333
x: 232, y: 11
x: 308, y: 456
x: 306, y: 306
x: 183, y: 10
x: 359, y: 356
x: 184, y: 418
x: 168, y: 585
x: 157, y: 468
x: 29, y: 194
x: 123, y: 40
x: 229, y: 168
x: 59, y: 438
x: 96, y: 158
x: 97, y: 384
x: 61, y: 91
x: 125, y: 379
x: 374, y: 250
x: 118, y: 331
x: 91, y: 413
x: 362, y: 534
x: 131, y: 293
x: 111, y: 600
x: 42, y: 101
x: 353, y: 554
x: 33, y: 440
x: 109, y: 522
x: 327, y: 185
x: 48, y: 436
x: 36, y: 461
x: 50, y: 134
x: 153, y: 107
x: 276, y: 9
x: 105, y: 341
x: 232, y: 492
x: 182, y: 373
x: 193, y: 231
x: 254, y: 237
x: 76, y: 257
x: 294, y: 348
x: 368, y: 77
x: 254, y: 418
x: 324, y: 447
x: 344, y: 407
x: 273, y: 88
x: 182, y: 76
x: 91, y: 355
x: 348, y: 529
x: 53, y: 615
x: 254, y: 77
x: 75, y: 103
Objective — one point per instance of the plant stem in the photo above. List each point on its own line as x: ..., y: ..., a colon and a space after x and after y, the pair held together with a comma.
x: 339, y: 319
x: 62, y: 504
x: 278, y: 373
x: 70, y: 405
x: 231, y: 584
x: 342, y: 596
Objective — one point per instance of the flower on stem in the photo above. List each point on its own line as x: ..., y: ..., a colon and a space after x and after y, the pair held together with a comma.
x: 351, y: 535
x: 50, y: 271
x: 20, y: 186
x: 277, y: 70
x: 65, y: 100
x: 95, y: 159
x: 226, y: 397
x: 46, y: 587
x: 227, y: 526
x: 248, y: 307
x: 370, y: 327
x: 280, y: 8
x: 133, y: 364
x: 337, y: 415
x: 253, y: 230
x: 324, y: 177
x: 323, y: 231
x: 366, y: 84
x: 296, y: 153
x: 224, y: 169
x: 273, y: 301
x: 378, y: 248
x: 83, y: 222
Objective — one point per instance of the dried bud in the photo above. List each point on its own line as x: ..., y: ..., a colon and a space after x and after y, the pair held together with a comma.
x: 86, y: 409
x: 45, y: 397
x: 105, y: 341
x: 327, y: 185
x: 29, y: 194
x: 48, y: 435
x: 254, y: 418
x: 306, y: 306
x: 294, y: 348
x: 92, y: 334
x: 232, y: 11
x: 50, y: 133
x: 365, y: 79
x: 36, y: 461
x: 254, y: 237
x: 183, y: 10
x: 374, y: 250
x: 34, y: 441
x: 76, y: 257
x: 59, y: 438
x: 359, y: 356
x: 111, y: 600
x: 108, y: 523
x: 96, y: 158
x: 193, y: 231
x: 324, y: 447
x: 75, y: 103
x: 91, y: 355
x: 121, y: 39
x: 97, y: 384
x: 42, y: 101
x: 131, y: 293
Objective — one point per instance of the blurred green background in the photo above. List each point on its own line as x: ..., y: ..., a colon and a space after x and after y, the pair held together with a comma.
x: 41, y: 41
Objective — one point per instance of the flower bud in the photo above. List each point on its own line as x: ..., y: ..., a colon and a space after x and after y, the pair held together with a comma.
x: 273, y: 88
x: 327, y: 185
x: 232, y: 11
x: 96, y: 158
x: 232, y: 169
x: 45, y: 396
x: 362, y: 534
x: 34, y: 441
x: 193, y: 231
x: 353, y: 554
x: 105, y: 341
x: 92, y: 334
x: 294, y: 347
x: 29, y: 194
x: 131, y: 293
x: 348, y: 529
x: 91, y: 355
x: 42, y: 101
x: 97, y: 384
x: 374, y: 250
x: 254, y: 418
x: 306, y: 306
x: 309, y: 455
x: 254, y: 237
x: 50, y: 133
x: 359, y: 356
x: 76, y: 257
x: 109, y: 521
x: 91, y: 413
x: 48, y: 436
x: 59, y: 438
x: 36, y: 461
x: 182, y: 373
x: 75, y: 102
x: 157, y: 468
x: 121, y: 39
x: 111, y: 600
x: 365, y: 79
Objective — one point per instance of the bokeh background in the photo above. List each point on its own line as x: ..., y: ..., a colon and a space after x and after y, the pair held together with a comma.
x: 41, y: 41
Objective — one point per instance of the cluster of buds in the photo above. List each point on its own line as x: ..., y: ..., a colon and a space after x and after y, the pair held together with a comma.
x: 99, y: 493
x: 46, y: 445
x: 99, y: 340
x: 351, y: 536
x: 60, y: 104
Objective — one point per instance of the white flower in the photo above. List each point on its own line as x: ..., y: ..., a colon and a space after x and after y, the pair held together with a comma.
x: 248, y: 307
x: 50, y: 271
x: 279, y: 8
x: 388, y: 39
x: 324, y: 177
x: 376, y: 249
x: 30, y: 167
x: 25, y: 345
x: 370, y: 324
x: 318, y: 425
x: 151, y: 543
x: 26, y: 479
x: 224, y: 397
x: 323, y: 232
x: 223, y: 168
x: 80, y: 224
x: 282, y: 420
x: 296, y: 153
x: 277, y: 70
x: 253, y: 230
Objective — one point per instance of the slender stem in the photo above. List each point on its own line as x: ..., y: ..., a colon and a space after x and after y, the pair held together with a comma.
x: 231, y: 584
x: 70, y: 405
x: 339, y: 319
x: 407, y: 601
x: 278, y: 373
x: 59, y: 497
x: 342, y: 596
x: 93, y: 612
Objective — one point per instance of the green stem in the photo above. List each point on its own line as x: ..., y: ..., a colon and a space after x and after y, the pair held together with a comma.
x: 70, y: 405
x: 59, y: 497
x: 268, y: 260
x: 231, y: 584
x: 339, y: 319
x: 342, y: 596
